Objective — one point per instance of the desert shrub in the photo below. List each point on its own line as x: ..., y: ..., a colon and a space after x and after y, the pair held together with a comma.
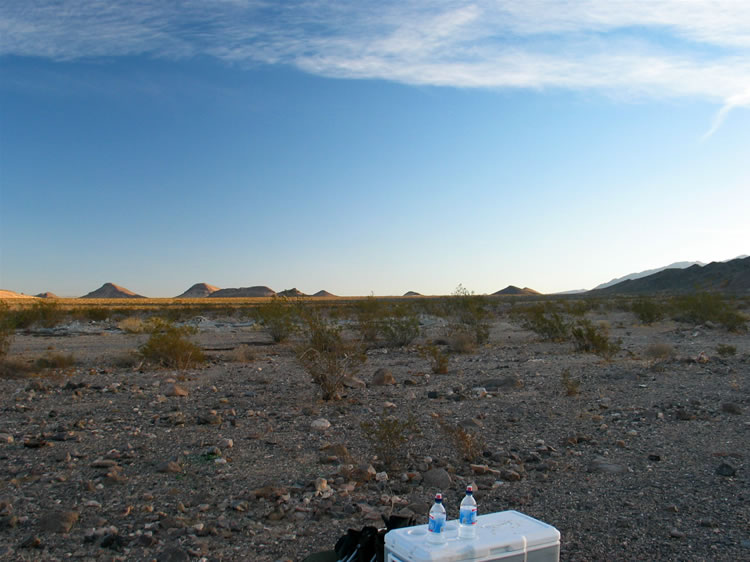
x: 41, y: 313
x: 243, y: 353
x: 571, y: 386
x: 327, y: 357
x: 390, y: 436
x: 469, y: 314
x: 659, y: 352
x: 700, y: 308
x: 15, y: 369
x: 725, y: 350
x: 7, y: 329
x: 278, y: 317
x: 462, y: 341
x: 132, y: 325
x: 647, y: 311
x: 95, y: 313
x: 55, y: 361
x: 468, y: 444
x: 400, y: 326
x: 550, y: 326
x: 368, y: 313
x: 437, y: 357
x: 169, y: 346
x: 578, y: 307
x: 589, y: 338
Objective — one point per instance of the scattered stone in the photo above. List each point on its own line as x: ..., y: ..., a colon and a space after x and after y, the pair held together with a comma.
x: 731, y: 408
x: 383, y: 377
x: 169, y: 467
x: 676, y: 533
x: 437, y: 478
x: 354, y: 382
x: 175, y: 390
x: 58, y: 521
x: 6, y: 438
x: 726, y: 469
x: 508, y: 382
x: 173, y: 554
x: 321, y: 424
x: 31, y: 542
x: 603, y: 465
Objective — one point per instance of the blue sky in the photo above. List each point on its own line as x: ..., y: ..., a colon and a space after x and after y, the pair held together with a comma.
x: 358, y: 149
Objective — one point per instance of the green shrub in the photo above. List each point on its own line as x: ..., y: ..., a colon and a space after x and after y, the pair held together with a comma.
x: 55, y: 361
x: 550, y: 326
x: 390, y: 436
x: 700, y: 308
x: 647, y: 311
x: 437, y: 357
x: 400, y: 327
x: 279, y: 317
x: 169, y: 346
x: 7, y: 329
x: 327, y: 357
x: 725, y: 350
x: 593, y: 339
x: 369, y: 313
x: 572, y: 386
x: 41, y: 313
x: 659, y: 352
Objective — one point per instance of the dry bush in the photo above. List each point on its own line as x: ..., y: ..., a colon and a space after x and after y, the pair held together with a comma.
x: 132, y: 325
x: 390, y: 436
x: 659, y: 352
x: 169, y: 345
x: 14, y: 369
x: 7, y: 330
x: 593, y: 339
x: 572, y: 386
x: 243, y: 353
x: 437, y: 357
x: 462, y: 342
x: 278, y: 317
x: 400, y: 326
x: 468, y: 443
x: 55, y: 361
x: 725, y: 350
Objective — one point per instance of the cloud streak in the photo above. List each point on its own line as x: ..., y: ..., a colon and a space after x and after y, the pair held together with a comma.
x: 626, y: 48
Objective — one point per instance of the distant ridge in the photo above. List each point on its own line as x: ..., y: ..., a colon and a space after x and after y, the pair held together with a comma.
x: 47, y: 295
x: 198, y: 291
x: 513, y: 290
x: 412, y: 294
x: 727, y: 277
x: 256, y: 291
x: 323, y: 294
x: 112, y: 291
x: 13, y: 295
x: 646, y: 273
x: 294, y: 292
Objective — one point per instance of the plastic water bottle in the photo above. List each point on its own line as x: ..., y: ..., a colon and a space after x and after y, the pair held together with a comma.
x: 436, y: 526
x: 467, y: 516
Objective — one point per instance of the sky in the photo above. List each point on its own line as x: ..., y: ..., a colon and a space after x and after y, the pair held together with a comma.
x: 369, y: 148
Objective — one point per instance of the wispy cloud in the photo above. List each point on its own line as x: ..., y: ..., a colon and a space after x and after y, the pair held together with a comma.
x: 630, y: 48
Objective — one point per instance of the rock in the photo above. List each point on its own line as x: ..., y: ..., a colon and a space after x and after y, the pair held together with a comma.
x: 169, y: 467
x: 321, y: 424
x: 433, y: 394
x: 383, y: 377
x: 6, y: 438
x: 510, y: 475
x: 437, y: 478
x: 726, y: 469
x: 173, y: 554
x: 731, y: 408
x: 31, y: 542
x: 601, y: 464
x: 676, y: 533
x: 175, y: 390
x: 354, y: 382
x: 508, y: 382
x: 58, y: 521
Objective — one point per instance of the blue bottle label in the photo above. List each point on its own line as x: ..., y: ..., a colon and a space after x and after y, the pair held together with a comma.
x: 437, y: 524
x: 468, y: 516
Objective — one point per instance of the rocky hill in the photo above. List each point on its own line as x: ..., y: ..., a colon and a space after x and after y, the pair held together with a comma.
x: 412, y: 294
x: 198, y: 291
x: 47, y: 295
x: 13, y: 295
x: 515, y: 291
x: 112, y: 291
x: 255, y: 291
x: 323, y: 293
x: 728, y: 277
x: 292, y: 293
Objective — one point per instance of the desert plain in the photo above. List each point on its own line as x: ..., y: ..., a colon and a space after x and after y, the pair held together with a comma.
x: 642, y: 455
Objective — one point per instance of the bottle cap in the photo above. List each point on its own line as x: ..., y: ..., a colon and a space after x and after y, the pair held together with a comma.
x: 438, y: 497
x: 469, y: 490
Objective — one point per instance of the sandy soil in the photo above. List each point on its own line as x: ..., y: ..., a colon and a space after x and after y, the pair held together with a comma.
x: 649, y: 461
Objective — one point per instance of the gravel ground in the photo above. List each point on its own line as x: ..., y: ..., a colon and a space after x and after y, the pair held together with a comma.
x: 649, y: 461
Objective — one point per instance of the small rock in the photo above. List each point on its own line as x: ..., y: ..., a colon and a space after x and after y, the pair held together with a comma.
x: 383, y: 377
x: 437, y: 478
x: 321, y: 424
x: 600, y: 464
x: 676, y: 533
x: 354, y: 382
x: 726, y: 469
x: 58, y: 521
x: 31, y: 542
x: 731, y: 408
x: 173, y: 554
x: 6, y: 438
x: 169, y: 467
x: 175, y: 390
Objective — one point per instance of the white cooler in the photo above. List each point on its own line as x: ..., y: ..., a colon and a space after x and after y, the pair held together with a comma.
x: 509, y: 536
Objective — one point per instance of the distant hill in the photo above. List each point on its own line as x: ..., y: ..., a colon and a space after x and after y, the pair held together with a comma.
x: 412, y: 294
x: 731, y: 277
x: 291, y: 293
x: 646, y: 273
x: 256, y: 291
x: 323, y: 294
x: 47, y: 295
x: 198, y: 291
x: 13, y: 295
x: 112, y: 291
x: 513, y: 290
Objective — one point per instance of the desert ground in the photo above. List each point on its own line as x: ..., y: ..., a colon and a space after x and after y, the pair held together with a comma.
x: 640, y: 457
